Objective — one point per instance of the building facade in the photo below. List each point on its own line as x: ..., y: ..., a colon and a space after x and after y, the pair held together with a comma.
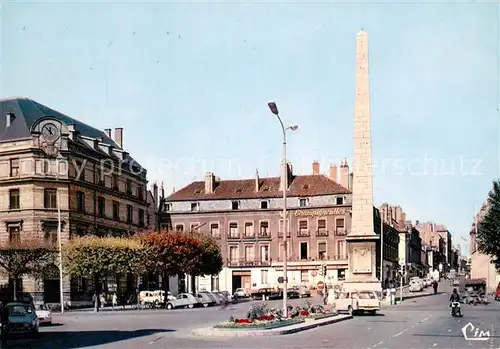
x: 390, y: 251
x: 49, y: 160
x: 481, y: 266
x: 245, y: 216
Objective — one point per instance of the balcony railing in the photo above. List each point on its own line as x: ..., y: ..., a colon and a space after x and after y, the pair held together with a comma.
x: 233, y: 236
x: 338, y: 257
x: 248, y: 236
x: 322, y: 232
x: 280, y: 234
x: 250, y: 262
x: 265, y: 234
x: 340, y: 231
x: 303, y: 233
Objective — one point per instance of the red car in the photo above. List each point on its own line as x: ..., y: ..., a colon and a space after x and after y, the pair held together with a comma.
x: 497, y: 294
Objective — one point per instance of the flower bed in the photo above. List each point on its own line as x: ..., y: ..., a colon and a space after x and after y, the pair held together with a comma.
x: 240, y: 324
x: 260, y: 317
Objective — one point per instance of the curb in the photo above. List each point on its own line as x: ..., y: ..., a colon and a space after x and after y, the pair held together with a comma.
x: 211, y: 332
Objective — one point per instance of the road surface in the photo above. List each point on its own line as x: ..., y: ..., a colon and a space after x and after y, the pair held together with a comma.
x: 420, y: 322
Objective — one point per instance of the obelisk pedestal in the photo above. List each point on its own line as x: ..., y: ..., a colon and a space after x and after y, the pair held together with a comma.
x: 362, y: 239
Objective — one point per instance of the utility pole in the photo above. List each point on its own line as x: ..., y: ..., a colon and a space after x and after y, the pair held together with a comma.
x: 381, y: 249
x: 59, y: 240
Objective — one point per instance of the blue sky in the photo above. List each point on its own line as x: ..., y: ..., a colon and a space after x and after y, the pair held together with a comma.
x: 189, y: 83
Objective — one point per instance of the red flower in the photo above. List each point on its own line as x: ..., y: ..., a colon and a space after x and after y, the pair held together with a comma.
x: 265, y: 318
x: 304, y: 313
x: 243, y: 321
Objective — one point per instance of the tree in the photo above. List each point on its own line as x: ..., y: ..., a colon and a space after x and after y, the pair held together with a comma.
x: 210, y: 261
x: 488, y: 234
x: 95, y: 257
x: 172, y: 253
x: 27, y: 257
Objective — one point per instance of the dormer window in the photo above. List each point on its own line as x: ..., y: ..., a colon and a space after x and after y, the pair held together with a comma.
x: 303, y: 202
x: 264, y: 205
x: 168, y: 207
x: 195, y: 206
x: 235, y: 205
x: 339, y: 200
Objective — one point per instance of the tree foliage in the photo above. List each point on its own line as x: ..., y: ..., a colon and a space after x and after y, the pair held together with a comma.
x: 27, y: 257
x: 488, y: 234
x: 172, y: 253
x: 93, y: 256
x: 210, y: 261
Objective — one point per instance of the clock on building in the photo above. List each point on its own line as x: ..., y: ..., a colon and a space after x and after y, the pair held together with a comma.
x: 50, y: 132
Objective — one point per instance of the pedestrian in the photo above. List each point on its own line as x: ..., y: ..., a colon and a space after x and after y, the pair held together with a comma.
x: 114, y: 301
x: 103, y: 300
x: 435, y: 286
x: 4, y: 320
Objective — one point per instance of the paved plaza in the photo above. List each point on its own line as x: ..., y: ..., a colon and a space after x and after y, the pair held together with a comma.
x: 420, y: 322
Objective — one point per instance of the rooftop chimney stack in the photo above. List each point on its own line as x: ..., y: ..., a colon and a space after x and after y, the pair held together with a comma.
x: 107, y: 131
x: 334, y: 173
x: 316, y: 168
x: 344, y: 174
x: 351, y: 178
x: 119, y: 136
x: 209, y: 183
x: 155, y: 196
x: 256, y: 181
x: 9, y: 117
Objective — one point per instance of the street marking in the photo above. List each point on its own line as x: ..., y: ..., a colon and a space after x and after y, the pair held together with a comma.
x: 435, y: 345
x: 155, y: 340
x: 399, y: 334
x: 425, y: 319
x: 449, y: 330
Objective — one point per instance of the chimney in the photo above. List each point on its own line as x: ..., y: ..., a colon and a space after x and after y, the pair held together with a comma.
x: 119, y: 136
x: 155, y: 196
x: 209, y: 183
x: 351, y: 178
x: 256, y: 180
x: 344, y: 174
x: 334, y: 173
x: 316, y: 168
x: 9, y: 117
x: 107, y: 131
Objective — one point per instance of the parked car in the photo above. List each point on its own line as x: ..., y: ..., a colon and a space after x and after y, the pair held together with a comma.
x: 303, y: 291
x: 206, y: 299
x: 241, y: 293
x: 415, y: 286
x: 267, y: 294
x: 183, y: 300
x: 497, y: 293
x: 154, y: 297
x: 44, y: 314
x: 22, y: 319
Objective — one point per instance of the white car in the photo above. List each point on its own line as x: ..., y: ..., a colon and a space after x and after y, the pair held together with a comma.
x: 154, y: 297
x: 415, y: 286
x: 241, y: 293
x: 44, y: 314
x: 183, y: 300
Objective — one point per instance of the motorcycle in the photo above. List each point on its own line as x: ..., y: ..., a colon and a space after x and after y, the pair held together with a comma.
x: 455, y: 309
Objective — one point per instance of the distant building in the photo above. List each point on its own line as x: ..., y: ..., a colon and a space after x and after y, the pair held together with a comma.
x: 481, y: 265
x: 245, y: 217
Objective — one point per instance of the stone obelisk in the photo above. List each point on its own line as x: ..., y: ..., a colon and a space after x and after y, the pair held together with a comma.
x: 361, y: 240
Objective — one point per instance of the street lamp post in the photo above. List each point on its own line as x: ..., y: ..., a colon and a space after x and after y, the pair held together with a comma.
x: 274, y: 109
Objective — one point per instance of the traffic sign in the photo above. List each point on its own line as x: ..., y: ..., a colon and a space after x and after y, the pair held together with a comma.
x: 314, y: 273
x: 320, y: 285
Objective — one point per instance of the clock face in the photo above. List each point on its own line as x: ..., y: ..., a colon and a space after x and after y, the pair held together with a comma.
x: 50, y: 132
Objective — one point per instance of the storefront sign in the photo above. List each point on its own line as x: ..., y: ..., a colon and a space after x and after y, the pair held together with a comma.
x: 320, y: 212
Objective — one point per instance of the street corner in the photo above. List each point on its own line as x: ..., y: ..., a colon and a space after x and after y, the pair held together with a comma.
x: 303, y: 326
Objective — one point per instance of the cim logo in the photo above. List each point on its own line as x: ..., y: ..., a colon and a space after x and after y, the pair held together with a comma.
x: 472, y: 333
